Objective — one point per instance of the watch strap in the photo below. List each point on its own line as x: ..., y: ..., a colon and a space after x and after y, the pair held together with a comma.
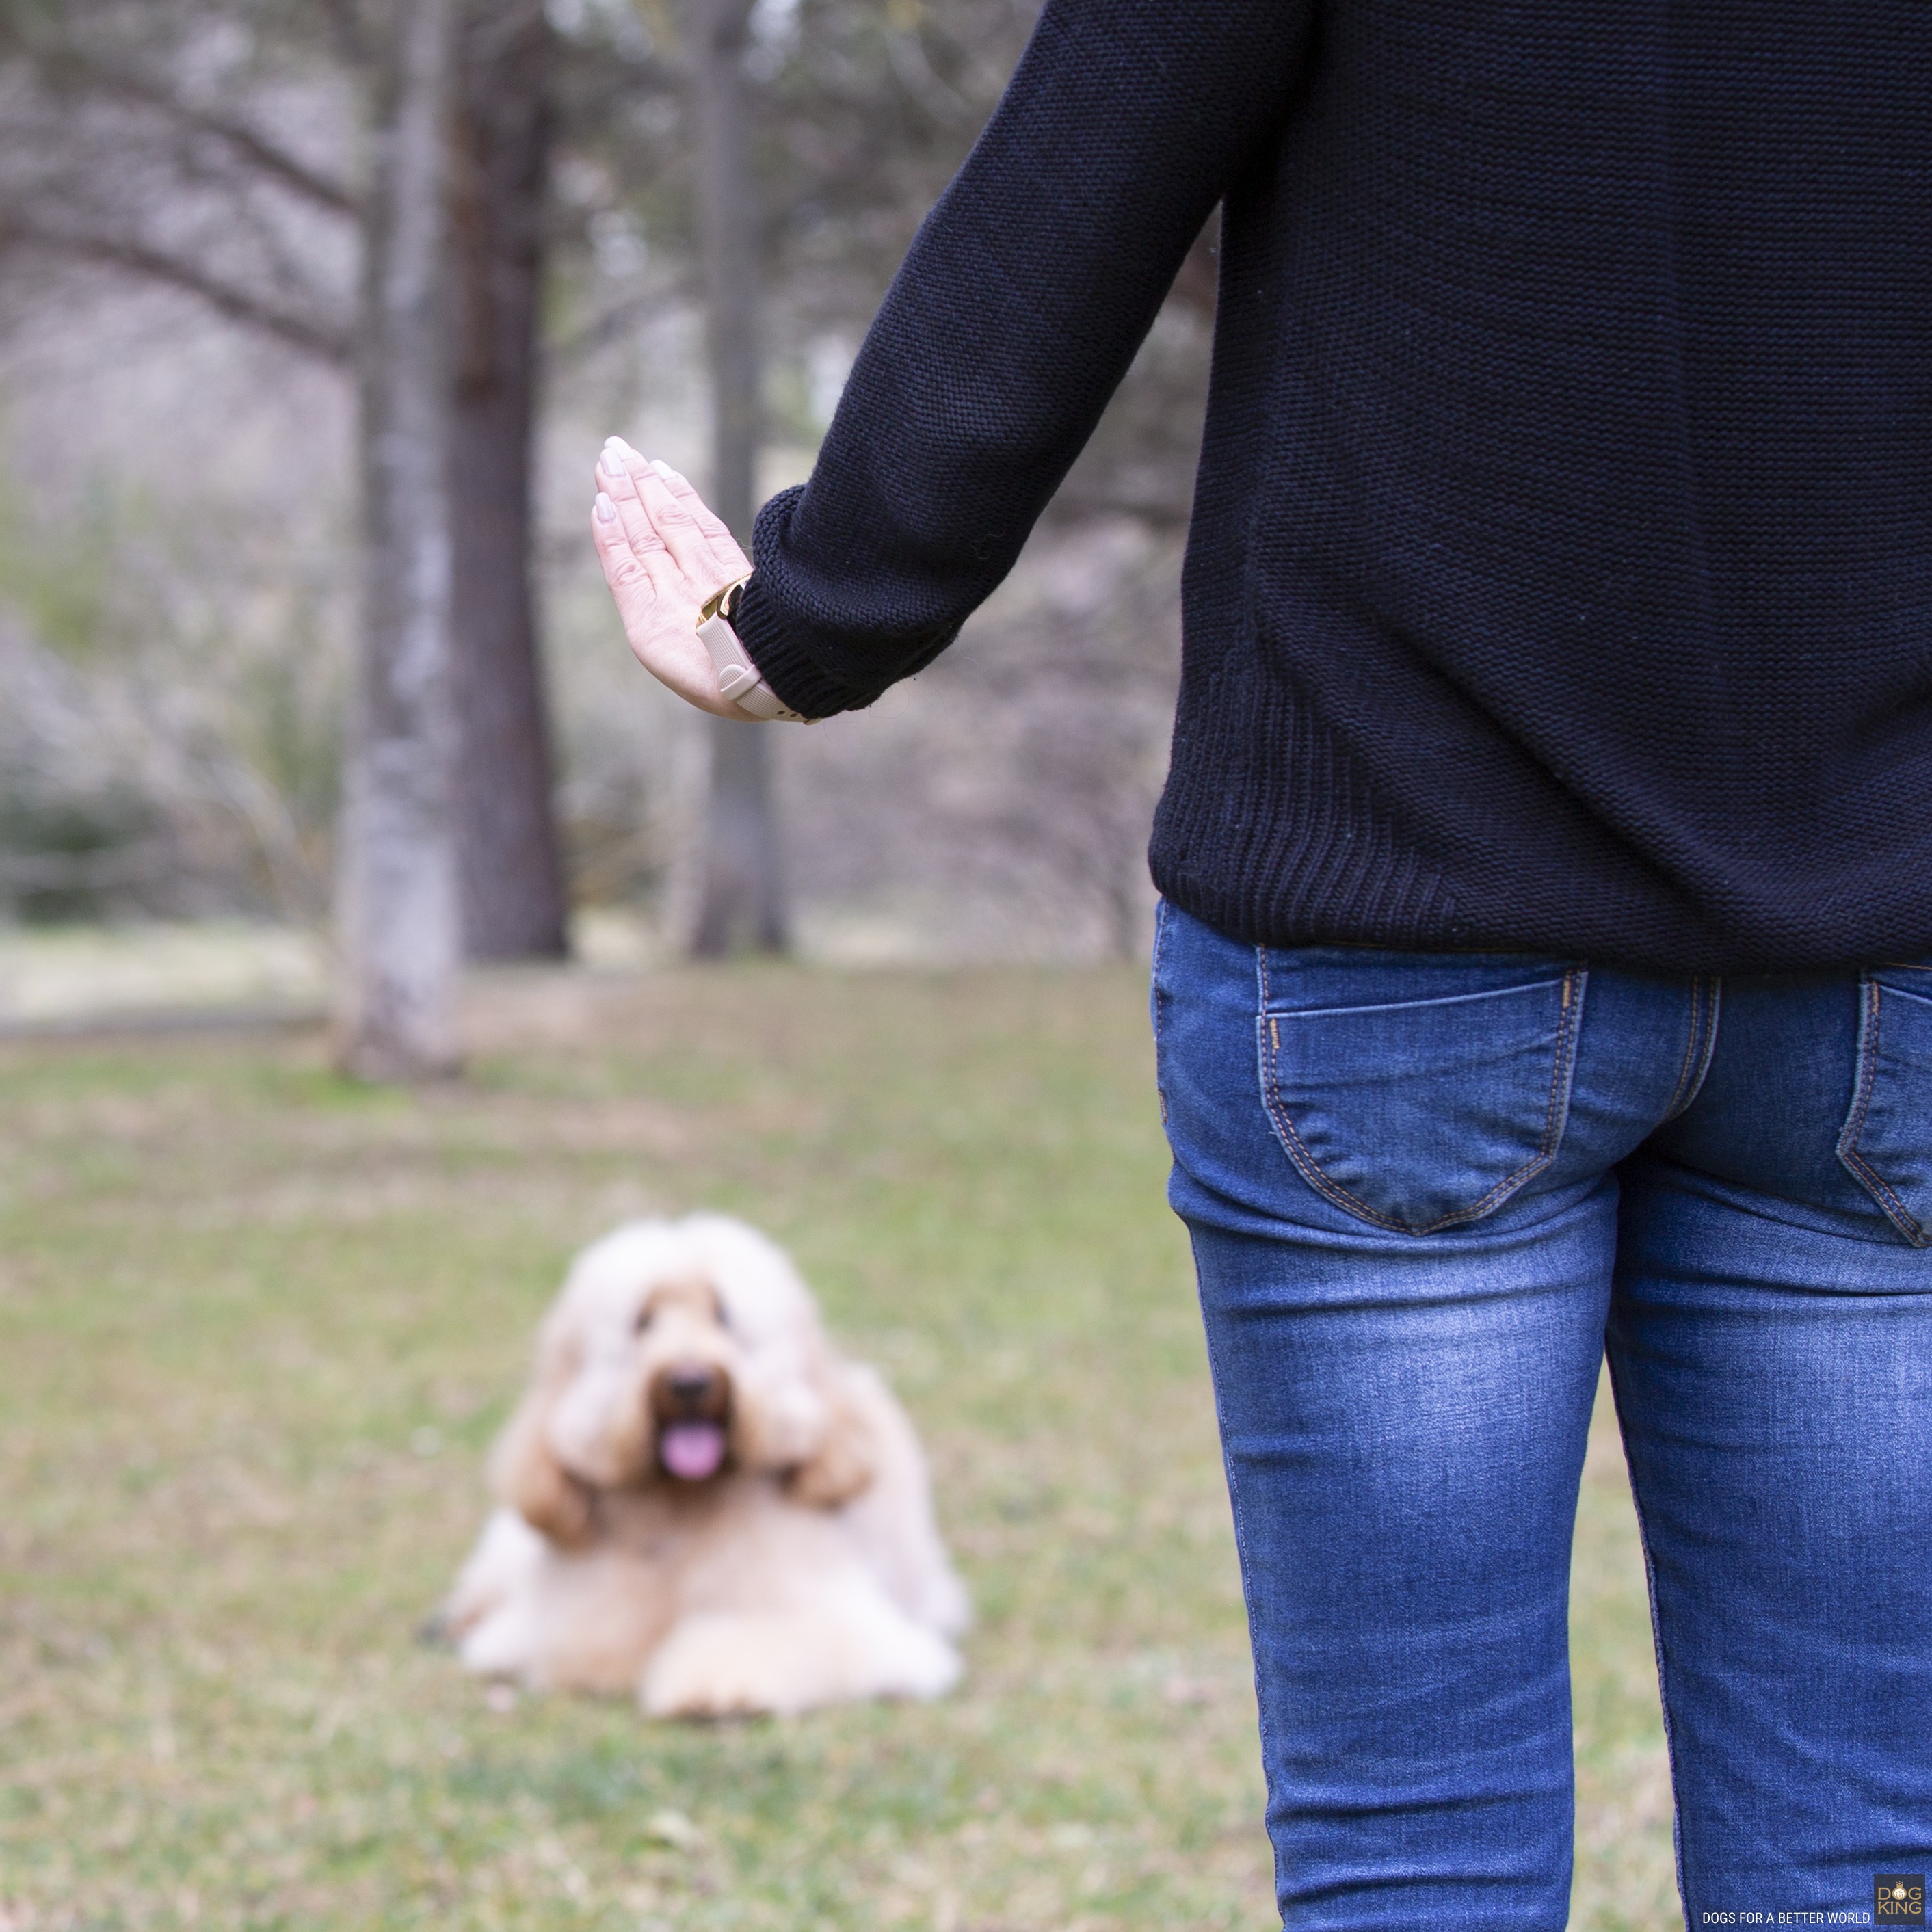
x: 739, y: 679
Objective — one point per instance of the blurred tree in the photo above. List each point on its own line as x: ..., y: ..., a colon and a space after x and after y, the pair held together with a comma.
x: 186, y: 143
x: 398, y: 895
x: 742, y: 897
x: 203, y: 144
x: 211, y: 146
x: 504, y: 127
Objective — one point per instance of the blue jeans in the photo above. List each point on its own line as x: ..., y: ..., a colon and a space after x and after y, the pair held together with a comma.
x: 1426, y: 1192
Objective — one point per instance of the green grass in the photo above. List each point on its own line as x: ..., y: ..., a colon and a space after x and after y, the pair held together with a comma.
x: 257, y: 1328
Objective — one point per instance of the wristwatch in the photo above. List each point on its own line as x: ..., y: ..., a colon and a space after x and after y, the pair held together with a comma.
x: 738, y: 677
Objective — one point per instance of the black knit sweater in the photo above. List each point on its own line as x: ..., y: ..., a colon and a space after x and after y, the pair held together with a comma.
x: 1560, y: 575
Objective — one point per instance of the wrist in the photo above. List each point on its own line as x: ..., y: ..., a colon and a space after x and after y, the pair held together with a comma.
x: 739, y: 681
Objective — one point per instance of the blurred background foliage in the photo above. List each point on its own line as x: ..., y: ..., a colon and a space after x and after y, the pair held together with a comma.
x: 180, y: 196
x: 257, y: 1323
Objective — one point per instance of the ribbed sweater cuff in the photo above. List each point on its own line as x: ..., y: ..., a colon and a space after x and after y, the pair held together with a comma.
x: 782, y: 648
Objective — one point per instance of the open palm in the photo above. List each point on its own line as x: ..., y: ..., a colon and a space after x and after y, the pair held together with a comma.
x: 664, y: 552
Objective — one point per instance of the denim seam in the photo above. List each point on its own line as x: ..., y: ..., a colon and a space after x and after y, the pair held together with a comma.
x: 1575, y: 980
x: 1657, y: 1646
x: 1241, y: 1543
x: 1900, y: 1216
x: 1154, y: 1002
x: 1703, y: 1034
x: 1672, y: 1107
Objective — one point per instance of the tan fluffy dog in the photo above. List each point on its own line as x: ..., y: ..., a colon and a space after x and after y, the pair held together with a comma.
x: 701, y: 1501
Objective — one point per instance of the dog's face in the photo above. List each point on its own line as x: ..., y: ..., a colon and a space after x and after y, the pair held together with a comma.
x: 678, y: 1354
x: 688, y: 1358
x: 666, y: 1392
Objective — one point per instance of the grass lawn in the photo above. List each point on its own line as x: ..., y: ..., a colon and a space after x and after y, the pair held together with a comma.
x: 258, y: 1326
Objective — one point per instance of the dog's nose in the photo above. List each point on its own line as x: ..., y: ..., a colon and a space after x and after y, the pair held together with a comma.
x: 690, y: 1385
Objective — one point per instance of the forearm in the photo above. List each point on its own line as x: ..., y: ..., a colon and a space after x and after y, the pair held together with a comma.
x: 1014, y: 317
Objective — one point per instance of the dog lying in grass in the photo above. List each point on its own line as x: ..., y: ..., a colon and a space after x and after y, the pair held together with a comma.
x: 701, y: 1501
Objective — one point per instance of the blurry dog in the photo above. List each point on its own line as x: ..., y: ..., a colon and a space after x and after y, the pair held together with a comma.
x: 701, y: 1501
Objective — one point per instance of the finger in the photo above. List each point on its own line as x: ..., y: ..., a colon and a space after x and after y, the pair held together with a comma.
x: 628, y: 573
x: 626, y: 477
x: 725, y: 551
x: 671, y: 517
x: 657, y: 616
x: 696, y: 537
x: 619, y: 468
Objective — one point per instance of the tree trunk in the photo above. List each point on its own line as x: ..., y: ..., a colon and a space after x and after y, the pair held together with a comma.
x: 743, y: 896
x: 511, y: 875
x: 398, y: 886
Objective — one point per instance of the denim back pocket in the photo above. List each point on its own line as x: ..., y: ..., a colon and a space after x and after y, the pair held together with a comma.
x: 1887, y: 1142
x: 1417, y: 1093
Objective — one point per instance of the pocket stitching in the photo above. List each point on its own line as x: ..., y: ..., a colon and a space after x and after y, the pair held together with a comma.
x: 1156, y: 1002
x: 1704, y: 1032
x: 1310, y: 1170
x: 1895, y: 1210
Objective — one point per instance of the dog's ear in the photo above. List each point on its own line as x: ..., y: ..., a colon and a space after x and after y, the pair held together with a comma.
x: 843, y: 1464
x: 527, y: 1477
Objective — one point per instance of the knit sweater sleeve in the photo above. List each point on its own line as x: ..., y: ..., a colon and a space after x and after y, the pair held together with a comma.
x: 1014, y: 316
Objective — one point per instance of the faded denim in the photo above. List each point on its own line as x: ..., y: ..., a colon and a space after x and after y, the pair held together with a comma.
x: 1426, y: 1193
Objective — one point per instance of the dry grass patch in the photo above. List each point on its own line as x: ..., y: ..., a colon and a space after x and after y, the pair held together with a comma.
x: 257, y: 1327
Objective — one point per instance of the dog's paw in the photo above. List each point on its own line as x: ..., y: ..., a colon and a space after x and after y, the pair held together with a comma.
x: 925, y: 1666
x: 709, y: 1667
x: 943, y: 1604
x: 501, y: 1644
x: 498, y: 1570
x: 726, y: 1666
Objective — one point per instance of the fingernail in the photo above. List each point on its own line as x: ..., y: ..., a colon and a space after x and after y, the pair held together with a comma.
x: 607, y: 510
x: 664, y: 469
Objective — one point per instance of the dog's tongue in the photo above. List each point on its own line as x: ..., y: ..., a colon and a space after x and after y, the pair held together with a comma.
x: 692, y: 1450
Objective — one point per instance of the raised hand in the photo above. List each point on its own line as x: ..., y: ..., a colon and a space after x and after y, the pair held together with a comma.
x: 663, y: 552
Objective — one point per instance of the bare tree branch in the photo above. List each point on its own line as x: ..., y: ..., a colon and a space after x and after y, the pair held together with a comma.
x: 130, y: 256
x: 247, y: 143
x: 621, y: 318
x: 346, y: 25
